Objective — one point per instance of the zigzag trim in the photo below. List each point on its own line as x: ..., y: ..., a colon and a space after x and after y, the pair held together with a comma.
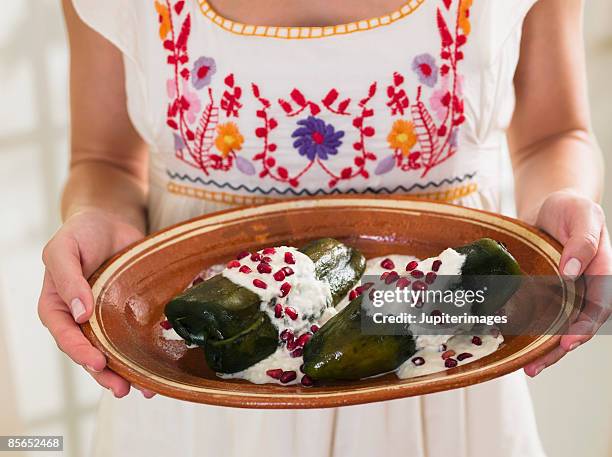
x: 305, y: 192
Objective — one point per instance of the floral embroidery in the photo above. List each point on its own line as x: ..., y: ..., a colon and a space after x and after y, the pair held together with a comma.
x: 203, y: 70
x: 464, y: 16
x: 164, y: 19
x: 425, y: 67
x: 402, y: 136
x: 228, y: 139
x: 316, y: 139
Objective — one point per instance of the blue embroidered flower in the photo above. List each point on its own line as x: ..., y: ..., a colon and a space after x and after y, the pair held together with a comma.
x: 424, y: 65
x: 202, y: 72
x: 315, y: 138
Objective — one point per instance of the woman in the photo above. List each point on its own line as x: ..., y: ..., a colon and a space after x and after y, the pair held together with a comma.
x: 244, y: 102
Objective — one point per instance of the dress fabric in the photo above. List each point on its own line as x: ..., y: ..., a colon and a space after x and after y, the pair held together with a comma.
x: 413, y: 102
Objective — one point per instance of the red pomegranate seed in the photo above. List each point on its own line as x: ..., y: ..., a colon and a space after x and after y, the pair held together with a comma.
x: 166, y: 325
x: 259, y: 283
x: 292, y: 313
x: 245, y: 269
x: 402, y: 283
x: 371, y: 294
x: 285, y: 288
x: 364, y: 286
x: 289, y: 258
x: 430, y: 277
x: 418, y: 361
x: 288, y: 376
x: 435, y: 266
x: 383, y: 277
x: 286, y: 335
x: 233, y: 264
x: 278, y: 311
x: 417, y: 274
x: 387, y: 264
x: 303, y: 339
x: 242, y: 255
x: 448, y: 354
x: 297, y: 353
x: 476, y: 340
x: 264, y: 268
x: 279, y: 275
x: 450, y: 363
x: 412, y: 265
x: 306, y: 381
x: 266, y: 259
x: 392, y: 277
x: 275, y: 373
x: 288, y: 271
x: 463, y: 356
x: 197, y: 281
x: 436, y: 312
x: 353, y: 294
x: 291, y: 344
x: 314, y: 328
x: 256, y: 257
x: 419, y: 285
x: 269, y: 251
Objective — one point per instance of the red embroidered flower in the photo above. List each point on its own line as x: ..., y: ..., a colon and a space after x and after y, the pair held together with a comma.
x: 426, y: 69
x: 202, y: 72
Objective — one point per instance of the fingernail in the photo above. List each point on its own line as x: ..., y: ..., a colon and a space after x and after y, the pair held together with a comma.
x: 574, y: 345
x: 90, y: 368
x: 77, y: 308
x: 538, y: 370
x: 572, y: 268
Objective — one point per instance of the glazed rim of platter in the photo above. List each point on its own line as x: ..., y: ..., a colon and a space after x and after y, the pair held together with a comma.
x: 234, y: 395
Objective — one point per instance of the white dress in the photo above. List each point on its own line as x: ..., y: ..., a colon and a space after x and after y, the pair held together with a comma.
x: 413, y: 102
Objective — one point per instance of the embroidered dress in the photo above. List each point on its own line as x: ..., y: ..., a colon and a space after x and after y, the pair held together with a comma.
x: 412, y: 102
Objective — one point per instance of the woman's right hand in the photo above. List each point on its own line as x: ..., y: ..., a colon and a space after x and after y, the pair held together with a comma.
x: 80, y: 246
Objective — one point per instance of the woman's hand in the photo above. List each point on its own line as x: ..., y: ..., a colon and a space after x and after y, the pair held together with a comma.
x: 86, y: 239
x: 579, y: 225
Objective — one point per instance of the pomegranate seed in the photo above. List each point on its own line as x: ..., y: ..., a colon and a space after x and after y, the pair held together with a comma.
x: 314, y: 328
x: 288, y: 376
x: 402, y: 283
x: 418, y: 361
x: 417, y: 274
x: 450, y: 363
x: 383, y: 277
x: 166, y: 325
x: 269, y: 251
x: 197, y: 281
x: 387, y: 264
x: 303, y: 339
x: 276, y: 373
x: 306, y: 381
x: 289, y: 258
x: 419, y: 285
x: 245, y: 269
x: 463, y: 356
x: 233, y: 264
x: 448, y: 354
x: 430, y: 277
x: 412, y: 265
x: 264, y: 268
x: 256, y: 257
x: 278, y: 311
x: 371, y: 294
x: 476, y: 340
x: 279, y: 275
x: 292, y: 313
x: 297, y: 353
x: 286, y: 335
x: 291, y: 344
x: 436, y: 312
x: 435, y: 266
x: 392, y: 277
x: 285, y: 288
x: 259, y: 284
x: 288, y: 271
x: 365, y: 286
x: 242, y: 255
x: 266, y: 259
x: 353, y: 294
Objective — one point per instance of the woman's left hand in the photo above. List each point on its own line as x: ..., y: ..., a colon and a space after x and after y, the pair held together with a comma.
x: 578, y: 224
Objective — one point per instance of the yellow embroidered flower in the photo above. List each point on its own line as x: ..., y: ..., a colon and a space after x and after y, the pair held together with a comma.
x: 402, y: 136
x: 228, y: 139
x: 464, y: 16
x: 164, y: 20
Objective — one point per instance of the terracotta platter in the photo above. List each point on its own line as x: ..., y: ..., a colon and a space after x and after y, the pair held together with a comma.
x: 131, y: 289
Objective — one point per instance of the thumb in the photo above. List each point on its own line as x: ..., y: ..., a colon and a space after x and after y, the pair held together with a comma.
x: 63, y: 261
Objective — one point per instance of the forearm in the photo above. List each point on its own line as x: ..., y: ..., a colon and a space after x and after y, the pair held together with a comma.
x: 100, y: 185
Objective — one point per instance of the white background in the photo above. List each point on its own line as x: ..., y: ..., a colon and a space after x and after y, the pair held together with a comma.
x: 42, y: 393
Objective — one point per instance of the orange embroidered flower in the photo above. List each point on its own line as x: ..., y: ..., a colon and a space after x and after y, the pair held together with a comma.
x: 464, y: 16
x: 402, y: 136
x: 164, y: 20
x: 228, y: 139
